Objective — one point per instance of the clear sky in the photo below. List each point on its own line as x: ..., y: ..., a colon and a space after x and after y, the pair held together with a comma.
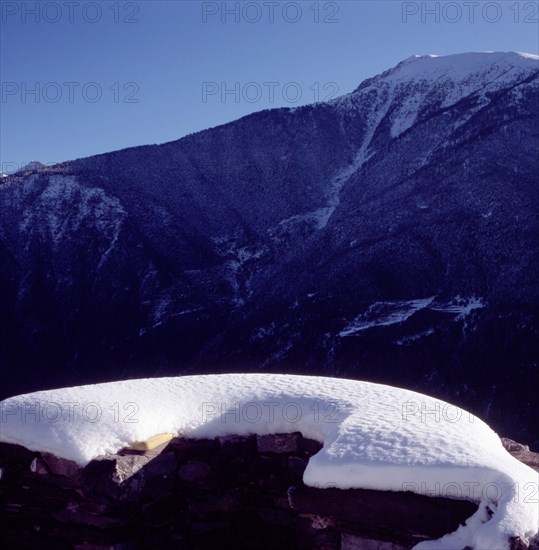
x: 80, y: 78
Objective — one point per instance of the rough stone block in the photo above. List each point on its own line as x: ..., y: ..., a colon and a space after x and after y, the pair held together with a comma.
x: 115, y: 476
x: 319, y: 522
x: 275, y: 517
x: 278, y: 443
x: 353, y: 542
x: 77, y: 514
x: 409, y: 517
x: 164, y: 464
x: 309, y: 446
x: 211, y: 504
x: 61, y: 466
x: 237, y: 444
x: 194, y: 470
x: 297, y: 465
x: 37, y: 466
x: 196, y: 449
x: 203, y: 527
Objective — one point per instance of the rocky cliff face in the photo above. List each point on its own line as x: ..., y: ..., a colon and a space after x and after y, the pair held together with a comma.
x: 389, y: 235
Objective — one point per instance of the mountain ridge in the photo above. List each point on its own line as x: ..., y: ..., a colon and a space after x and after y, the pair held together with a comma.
x: 260, y: 242
x: 523, y: 56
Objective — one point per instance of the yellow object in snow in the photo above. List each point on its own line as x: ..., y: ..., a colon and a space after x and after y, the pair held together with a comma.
x: 151, y: 443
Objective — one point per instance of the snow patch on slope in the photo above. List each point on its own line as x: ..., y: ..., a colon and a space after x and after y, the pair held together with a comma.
x: 319, y: 218
x: 65, y: 206
x: 459, y: 306
x: 237, y: 258
x: 381, y: 314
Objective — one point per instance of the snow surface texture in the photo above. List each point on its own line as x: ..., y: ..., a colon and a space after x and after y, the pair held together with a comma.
x: 374, y: 436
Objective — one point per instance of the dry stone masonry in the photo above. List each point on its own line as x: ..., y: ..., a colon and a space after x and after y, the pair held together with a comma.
x: 229, y: 492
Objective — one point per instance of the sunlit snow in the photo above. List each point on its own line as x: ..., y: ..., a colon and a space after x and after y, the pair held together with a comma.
x: 374, y: 436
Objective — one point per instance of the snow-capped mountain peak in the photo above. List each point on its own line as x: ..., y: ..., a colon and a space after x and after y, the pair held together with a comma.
x: 480, y: 68
x: 463, y: 67
x: 426, y: 83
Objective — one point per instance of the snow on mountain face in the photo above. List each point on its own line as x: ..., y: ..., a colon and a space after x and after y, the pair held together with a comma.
x: 259, y: 243
x: 445, y: 81
x: 374, y: 436
x: 481, y: 68
x: 47, y: 212
x: 391, y: 313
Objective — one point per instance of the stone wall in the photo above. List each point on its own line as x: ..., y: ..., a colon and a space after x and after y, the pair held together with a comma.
x: 231, y: 492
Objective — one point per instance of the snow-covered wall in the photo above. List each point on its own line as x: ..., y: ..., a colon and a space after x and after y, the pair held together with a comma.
x: 373, y: 437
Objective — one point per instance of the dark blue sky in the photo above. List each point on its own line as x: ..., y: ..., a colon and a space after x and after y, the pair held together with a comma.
x: 80, y: 78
